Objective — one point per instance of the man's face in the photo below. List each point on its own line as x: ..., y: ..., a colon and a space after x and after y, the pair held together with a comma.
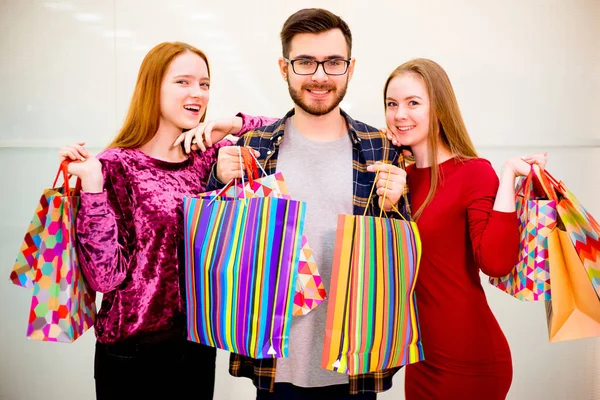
x: 317, y: 94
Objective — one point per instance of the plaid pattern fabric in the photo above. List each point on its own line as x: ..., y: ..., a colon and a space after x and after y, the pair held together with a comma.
x: 369, y: 145
x: 262, y: 373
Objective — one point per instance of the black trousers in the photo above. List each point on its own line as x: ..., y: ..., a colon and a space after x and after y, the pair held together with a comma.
x: 169, y: 369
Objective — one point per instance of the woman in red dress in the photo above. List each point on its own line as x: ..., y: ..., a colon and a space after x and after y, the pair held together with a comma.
x: 467, y: 221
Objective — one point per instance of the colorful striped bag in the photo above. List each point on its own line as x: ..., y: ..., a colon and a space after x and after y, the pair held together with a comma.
x: 241, y: 264
x: 310, y: 290
x: 530, y: 278
x: 62, y: 305
x: 372, y: 322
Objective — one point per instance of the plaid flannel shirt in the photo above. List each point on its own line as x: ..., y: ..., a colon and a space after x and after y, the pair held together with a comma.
x: 369, y: 145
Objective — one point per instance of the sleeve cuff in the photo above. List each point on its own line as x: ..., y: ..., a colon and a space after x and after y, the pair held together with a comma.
x: 213, y: 182
x: 244, y: 127
x: 504, y: 215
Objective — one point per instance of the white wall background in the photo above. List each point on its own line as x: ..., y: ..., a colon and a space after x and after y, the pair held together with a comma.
x: 526, y: 73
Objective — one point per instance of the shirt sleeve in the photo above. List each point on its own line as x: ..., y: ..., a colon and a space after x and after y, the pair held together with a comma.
x: 249, y: 122
x: 105, y: 230
x: 494, y: 234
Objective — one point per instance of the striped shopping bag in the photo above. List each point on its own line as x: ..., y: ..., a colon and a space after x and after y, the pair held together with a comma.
x: 372, y: 322
x: 310, y: 289
x: 241, y: 263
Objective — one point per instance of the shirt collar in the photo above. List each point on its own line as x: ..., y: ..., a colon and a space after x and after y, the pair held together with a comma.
x: 280, y: 127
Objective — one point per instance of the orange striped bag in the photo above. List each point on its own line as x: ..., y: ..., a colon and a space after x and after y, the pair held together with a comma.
x: 372, y: 322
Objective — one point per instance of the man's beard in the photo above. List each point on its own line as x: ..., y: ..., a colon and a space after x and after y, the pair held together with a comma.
x: 319, y: 108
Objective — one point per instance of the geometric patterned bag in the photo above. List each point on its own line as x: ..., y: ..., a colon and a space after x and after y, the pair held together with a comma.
x: 530, y: 278
x: 310, y: 289
x: 62, y: 306
x: 583, y: 230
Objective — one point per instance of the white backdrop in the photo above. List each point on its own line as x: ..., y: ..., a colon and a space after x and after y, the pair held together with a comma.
x: 526, y: 73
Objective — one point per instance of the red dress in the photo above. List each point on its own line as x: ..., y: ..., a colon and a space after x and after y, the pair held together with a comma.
x: 466, y: 353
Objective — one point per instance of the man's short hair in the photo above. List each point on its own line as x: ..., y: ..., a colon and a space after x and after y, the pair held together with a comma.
x: 312, y: 20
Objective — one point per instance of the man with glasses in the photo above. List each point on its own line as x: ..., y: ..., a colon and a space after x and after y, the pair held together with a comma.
x: 323, y: 154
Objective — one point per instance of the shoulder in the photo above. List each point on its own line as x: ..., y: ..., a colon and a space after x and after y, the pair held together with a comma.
x: 114, y: 154
x: 364, y: 129
x: 375, y: 146
x: 358, y: 126
x: 265, y: 133
x: 373, y: 142
x: 477, y: 169
x: 478, y: 177
x: 270, y: 130
x: 116, y: 161
x: 367, y: 133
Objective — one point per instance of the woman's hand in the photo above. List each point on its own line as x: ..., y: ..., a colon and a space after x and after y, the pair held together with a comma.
x: 83, y: 165
x: 521, y: 166
x: 206, y: 134
x: 390, y: 136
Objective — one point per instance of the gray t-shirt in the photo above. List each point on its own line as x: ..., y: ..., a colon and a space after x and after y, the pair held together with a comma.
x: 320, y: 174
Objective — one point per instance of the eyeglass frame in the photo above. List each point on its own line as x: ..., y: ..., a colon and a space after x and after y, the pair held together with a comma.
x: 319, y: 63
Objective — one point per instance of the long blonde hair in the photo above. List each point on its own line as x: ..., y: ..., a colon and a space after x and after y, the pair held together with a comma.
x: 143, y: 117
x: 446, y: 125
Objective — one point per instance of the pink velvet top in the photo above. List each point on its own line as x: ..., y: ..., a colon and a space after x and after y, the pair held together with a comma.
x: 130, y: 239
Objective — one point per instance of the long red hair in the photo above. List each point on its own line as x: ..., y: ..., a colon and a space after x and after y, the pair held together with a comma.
x: 143, y: 117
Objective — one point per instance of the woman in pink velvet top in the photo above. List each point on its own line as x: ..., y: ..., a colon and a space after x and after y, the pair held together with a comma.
x: 130, y: 231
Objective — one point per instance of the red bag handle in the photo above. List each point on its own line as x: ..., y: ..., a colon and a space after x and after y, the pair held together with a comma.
x: 249, y: 164
x: 63, y: 170
x: 549, y: 186
x: 558, y: 185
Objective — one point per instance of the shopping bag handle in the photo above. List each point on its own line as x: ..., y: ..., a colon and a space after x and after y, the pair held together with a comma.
x: 63, y: 170
x: 536, y: 175
x: 369, y: 201
x: 248, y: 163
x: 558, y: 185
x: 251, y: 162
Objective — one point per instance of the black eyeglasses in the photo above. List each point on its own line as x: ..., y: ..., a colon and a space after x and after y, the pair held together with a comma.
x: 304, y: 66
